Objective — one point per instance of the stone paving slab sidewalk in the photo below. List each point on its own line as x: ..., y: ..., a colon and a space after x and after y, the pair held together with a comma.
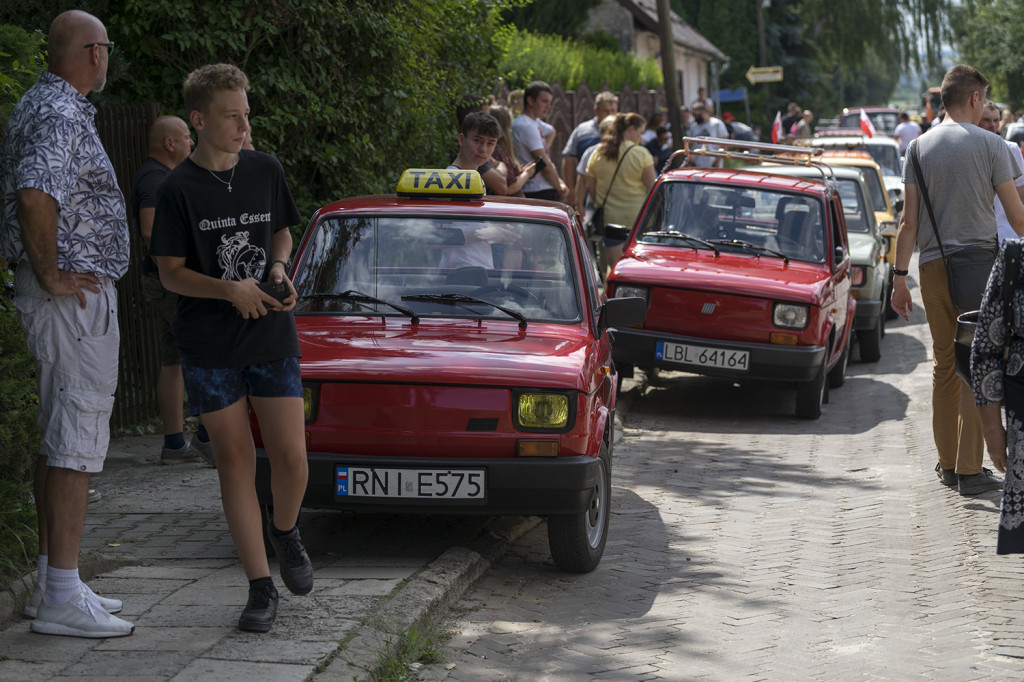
x: 158, y: 541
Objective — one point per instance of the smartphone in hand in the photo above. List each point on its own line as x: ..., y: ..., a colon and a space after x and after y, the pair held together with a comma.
x: 278, y: 291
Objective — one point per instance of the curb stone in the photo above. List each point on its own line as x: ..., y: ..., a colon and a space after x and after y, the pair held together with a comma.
x: 423, y: 601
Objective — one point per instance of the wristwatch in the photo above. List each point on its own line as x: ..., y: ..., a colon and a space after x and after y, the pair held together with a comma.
x: 282, y: 262
x: 901, y: 273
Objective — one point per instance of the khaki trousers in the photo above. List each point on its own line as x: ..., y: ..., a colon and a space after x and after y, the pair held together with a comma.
x: 956, y: 424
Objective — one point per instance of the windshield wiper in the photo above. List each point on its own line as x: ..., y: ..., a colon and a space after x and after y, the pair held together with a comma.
x: 456, y: 299
x: 747, y: 245
x: 359, y: 297
x: 672, y: 234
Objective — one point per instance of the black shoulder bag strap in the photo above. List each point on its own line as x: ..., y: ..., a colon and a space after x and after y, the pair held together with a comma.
x: 927, y: 201
x: 615, y: 174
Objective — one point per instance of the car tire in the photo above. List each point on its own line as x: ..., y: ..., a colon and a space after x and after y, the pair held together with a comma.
x: 577, y: 541
x: 890, y: 314
x: 837, y: 375
x: 810, y: 395
x: 870, y: 341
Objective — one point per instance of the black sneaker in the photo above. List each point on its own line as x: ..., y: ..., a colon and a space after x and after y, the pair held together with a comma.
x: 296, y: 569
x: 260, y: 611
x: 947, y: 476
x: 980, y: 483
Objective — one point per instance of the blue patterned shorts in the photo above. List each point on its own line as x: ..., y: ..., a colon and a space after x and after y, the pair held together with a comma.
x: 212, y: 389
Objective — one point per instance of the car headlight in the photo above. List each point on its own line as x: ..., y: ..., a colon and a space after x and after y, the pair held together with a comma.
x: 628, y: 291
x: 858, y: 275
x: 790, y: 315
x: 548, y: 411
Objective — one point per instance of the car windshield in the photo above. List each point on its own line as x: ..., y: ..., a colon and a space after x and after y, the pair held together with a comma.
x: 883, y: 121
x: 875, y: 187
x: 769, y: 221
x: 410, y: 262
x: 859, y: 218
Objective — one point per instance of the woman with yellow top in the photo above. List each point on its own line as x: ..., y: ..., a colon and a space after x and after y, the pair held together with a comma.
x: 619, y: 175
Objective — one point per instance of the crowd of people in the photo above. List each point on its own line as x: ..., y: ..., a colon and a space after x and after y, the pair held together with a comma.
x: 223, y: 297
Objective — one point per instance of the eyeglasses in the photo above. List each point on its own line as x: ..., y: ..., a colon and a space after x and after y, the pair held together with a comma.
x: 109, y: 46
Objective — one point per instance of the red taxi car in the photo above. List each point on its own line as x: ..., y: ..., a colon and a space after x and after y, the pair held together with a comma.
x: 746, y: 275
x: 456, y: 358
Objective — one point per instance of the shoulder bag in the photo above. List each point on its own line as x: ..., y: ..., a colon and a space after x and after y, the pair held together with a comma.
x: 595, y: 226
x: 968, y: 269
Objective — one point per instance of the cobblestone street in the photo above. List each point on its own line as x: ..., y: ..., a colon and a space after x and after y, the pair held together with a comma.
x: 746, y: 544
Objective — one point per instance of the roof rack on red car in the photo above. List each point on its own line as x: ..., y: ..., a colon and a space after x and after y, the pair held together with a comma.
x: 752, y: 152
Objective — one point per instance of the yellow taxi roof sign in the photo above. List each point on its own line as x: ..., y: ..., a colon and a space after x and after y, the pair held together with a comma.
x: 440, y: 183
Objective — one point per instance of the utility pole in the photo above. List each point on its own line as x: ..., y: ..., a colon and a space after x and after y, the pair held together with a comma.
x: 668, y: 70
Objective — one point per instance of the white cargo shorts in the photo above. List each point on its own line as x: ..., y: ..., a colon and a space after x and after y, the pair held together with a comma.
x: 75, y: 352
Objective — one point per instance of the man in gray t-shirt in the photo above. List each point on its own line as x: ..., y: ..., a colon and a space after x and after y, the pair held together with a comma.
x: 964, y: 167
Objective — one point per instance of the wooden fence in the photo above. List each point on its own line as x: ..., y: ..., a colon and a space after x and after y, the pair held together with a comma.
x: 124, y: 130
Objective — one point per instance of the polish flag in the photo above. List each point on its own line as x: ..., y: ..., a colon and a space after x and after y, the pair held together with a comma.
x: 865, y: 124
x: 777, y: 128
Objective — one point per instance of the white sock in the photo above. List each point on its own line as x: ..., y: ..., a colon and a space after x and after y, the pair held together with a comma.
x: 61, y: 585
x: 41, y: 563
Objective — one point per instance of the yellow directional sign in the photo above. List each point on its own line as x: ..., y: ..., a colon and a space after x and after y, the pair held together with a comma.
x: 764, y: 74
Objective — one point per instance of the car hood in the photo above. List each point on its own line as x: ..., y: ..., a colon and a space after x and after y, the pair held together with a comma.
x: 730, y: 273
x: 445, y: 352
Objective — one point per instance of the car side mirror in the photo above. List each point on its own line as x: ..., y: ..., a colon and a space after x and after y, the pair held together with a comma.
x: 619, y: 232
x: 898, y: 206
x: 622, y: 312
x: 839, y: 254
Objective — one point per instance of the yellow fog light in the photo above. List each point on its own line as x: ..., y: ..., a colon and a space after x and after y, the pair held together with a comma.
x: 309, y: 400
x: 543, y: 410
x: 537, y: 448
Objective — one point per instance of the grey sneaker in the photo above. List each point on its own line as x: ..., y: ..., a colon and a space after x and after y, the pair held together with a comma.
x: 979, y: 483
x: 204, y: 450
x: 178, y: 455
x: 94, y: 495
x: 80, y: 617
x: 947, y: 476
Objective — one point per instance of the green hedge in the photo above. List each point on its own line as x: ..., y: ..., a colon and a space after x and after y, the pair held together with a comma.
x: 550, y: 58
x: 21, y: 59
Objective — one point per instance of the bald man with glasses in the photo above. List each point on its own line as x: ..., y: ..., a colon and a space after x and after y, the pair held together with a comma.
x: 62, y: 220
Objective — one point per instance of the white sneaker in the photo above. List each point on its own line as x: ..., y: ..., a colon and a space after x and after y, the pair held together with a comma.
x: 34, y: 600
x: 32, y: 606
x: 109, y: 605
x: 80, y: 617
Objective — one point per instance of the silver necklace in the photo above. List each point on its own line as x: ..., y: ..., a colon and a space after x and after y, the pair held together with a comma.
x: 228, y: 182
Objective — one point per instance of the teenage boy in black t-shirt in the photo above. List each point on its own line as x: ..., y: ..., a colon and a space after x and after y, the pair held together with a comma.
x: 221, y: 228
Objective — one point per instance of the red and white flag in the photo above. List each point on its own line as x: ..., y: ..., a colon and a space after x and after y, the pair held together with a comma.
x: 777, y: 128
x: 865, y: 124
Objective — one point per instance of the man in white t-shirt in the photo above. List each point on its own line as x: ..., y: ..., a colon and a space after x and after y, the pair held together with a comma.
x: 706, y: 125
x: 906, y: 132
x: 990, y: 122
x: 586, y: 135
x: 529, y: 144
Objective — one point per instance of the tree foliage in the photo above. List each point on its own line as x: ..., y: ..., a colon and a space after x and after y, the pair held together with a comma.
x: 833, y: 54
x: 989, y: 34
x: 346, y: 93
x: 552, y: 17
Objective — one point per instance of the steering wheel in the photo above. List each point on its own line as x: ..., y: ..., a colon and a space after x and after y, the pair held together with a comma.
x: 512, y: 291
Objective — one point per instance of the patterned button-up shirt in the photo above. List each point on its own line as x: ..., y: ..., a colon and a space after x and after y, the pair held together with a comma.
x: 51, y: 144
